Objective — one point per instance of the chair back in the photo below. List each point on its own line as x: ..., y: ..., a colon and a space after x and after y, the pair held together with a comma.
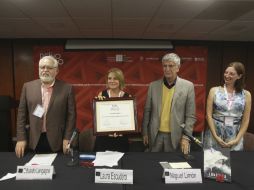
x: 86, y: 141
x: 248, y: 141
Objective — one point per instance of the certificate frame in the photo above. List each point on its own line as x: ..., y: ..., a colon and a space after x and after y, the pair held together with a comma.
x: 115, y: 115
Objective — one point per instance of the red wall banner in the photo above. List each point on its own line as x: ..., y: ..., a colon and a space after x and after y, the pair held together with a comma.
x: 86, y: 71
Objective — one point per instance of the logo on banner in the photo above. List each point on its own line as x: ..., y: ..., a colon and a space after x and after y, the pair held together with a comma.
x: 57, y: 56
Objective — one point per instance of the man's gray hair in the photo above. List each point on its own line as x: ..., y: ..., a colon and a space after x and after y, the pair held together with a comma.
x: 50, y: 57
x: 171, y: 57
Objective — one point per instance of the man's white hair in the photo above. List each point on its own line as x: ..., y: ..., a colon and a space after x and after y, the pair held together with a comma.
x: 171, y: 57
x: 50, y: 57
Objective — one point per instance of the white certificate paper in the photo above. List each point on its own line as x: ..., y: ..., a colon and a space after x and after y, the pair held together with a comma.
x: 115, y: 116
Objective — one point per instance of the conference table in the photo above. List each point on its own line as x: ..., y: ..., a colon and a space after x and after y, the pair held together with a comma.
x: 146, y: 170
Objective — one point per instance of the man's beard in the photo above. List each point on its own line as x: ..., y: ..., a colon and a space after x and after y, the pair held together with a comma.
x: 47, y: 79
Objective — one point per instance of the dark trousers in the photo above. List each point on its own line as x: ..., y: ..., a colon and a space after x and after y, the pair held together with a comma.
x: 43, y: 144
x: 103, y: 143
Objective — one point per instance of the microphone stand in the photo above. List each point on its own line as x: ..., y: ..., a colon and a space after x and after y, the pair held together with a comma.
x: 74, y: 157
x: 193, y: 141
x: 188, y: 156
x: 74, y: 154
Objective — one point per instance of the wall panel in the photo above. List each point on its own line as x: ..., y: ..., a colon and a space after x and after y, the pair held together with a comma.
x: 6, y: 69
x: 23, y: 64
x: 250, y: 81
x: 16, y: 64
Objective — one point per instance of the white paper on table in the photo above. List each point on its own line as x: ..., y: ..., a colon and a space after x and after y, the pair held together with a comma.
x: 42, y: 159
x: 107, y: 158
x: 179, y: 165
x: 8, y: 176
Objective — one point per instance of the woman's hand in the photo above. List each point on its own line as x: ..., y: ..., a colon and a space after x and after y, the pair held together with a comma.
x: 232, y: 143
x: 100, y: 97
x: 221, y: 142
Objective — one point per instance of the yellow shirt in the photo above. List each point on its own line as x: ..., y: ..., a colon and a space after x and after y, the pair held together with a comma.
x: 167, y: 96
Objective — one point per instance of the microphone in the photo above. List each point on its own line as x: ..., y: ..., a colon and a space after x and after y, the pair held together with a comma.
x: 73, y: 153
x: 194, y: 139
x: 75, y: 132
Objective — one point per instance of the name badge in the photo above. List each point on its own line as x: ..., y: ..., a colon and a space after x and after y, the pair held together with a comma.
x: 38, y: 111
x: 183, y: 176
x: 117, y: 176
x: 229, y: 121
x: 39, y: 172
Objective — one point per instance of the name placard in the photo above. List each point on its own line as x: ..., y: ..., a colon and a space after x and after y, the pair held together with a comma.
x: 117, y: 176
x: 38, y: 172
x: 183, y: 176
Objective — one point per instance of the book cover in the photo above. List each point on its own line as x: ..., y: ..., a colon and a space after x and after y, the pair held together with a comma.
x: 217, y: 164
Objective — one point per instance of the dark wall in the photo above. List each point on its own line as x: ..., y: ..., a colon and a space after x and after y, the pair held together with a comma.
x: 7, y: 91
x: 5, y: 123
x: 6, y: 68
x: 16, y: 65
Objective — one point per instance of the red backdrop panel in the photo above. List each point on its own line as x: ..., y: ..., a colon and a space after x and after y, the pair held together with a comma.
x: 86, y: 71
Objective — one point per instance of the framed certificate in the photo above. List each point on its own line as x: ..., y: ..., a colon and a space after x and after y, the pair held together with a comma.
x: 115, y: 115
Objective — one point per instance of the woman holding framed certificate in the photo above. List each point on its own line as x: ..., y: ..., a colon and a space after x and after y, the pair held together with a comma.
x: 115, y: 141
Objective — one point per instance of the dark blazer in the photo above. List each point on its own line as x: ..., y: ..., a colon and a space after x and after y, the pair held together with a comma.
x: 182, y: 113
x: 61, y: 114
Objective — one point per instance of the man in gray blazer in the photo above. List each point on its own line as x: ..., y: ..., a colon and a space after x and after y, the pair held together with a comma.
x: 47, y: 106
x: 169, y: 111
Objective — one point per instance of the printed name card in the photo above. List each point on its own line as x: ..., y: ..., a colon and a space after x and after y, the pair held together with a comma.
x: 38, y: 172
x: 183, y: 176
x: 117, y: 176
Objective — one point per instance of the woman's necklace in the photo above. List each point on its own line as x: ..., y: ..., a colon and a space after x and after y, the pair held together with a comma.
x: 229, y: 97
x: 119, y: 94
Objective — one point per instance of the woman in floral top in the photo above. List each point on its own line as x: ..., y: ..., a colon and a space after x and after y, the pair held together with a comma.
x: 228, y: 110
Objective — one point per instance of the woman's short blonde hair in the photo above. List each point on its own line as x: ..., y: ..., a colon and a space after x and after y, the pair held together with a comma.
x: 119, y: 76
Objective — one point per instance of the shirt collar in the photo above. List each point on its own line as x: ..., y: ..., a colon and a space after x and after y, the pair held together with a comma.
x: 50, y: 86
x: 169, y: 86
